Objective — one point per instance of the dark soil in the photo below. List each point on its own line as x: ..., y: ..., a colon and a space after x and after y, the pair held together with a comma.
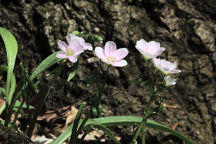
x: 186, y: 28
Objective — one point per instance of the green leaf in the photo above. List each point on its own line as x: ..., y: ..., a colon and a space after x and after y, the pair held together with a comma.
x: 76, y: 123
x: 11, y: 50
x: 17, y: 104
x: 3, y: 68
x: 75, y: 32
x: 45, y: 64
x: 26, y: 77
x: 2, y: 90
x: 12, y: 87
x: 73, y: 71
x: 121, y: 121
x: 97, y: 37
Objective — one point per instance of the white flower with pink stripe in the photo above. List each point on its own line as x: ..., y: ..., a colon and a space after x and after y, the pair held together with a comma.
x: 165, y: 66
x: 111, y: 55
x: 70, y: 51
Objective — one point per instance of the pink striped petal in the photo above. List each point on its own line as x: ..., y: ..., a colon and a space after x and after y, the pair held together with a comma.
x: 63, y: 46
x: 120, y: 53
x: 61, y: 55
x: 73, y: 58
x: 88, y: 46
x: 100, y: 53
x: 110, y: 48
x: 76, y: 46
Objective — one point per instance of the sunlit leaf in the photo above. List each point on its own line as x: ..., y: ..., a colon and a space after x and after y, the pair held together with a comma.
x: 11, y: 50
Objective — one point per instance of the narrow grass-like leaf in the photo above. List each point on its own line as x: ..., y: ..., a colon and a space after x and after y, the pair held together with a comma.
x: 73, y: 71
x: 11, y: 50
x: 25, y: 74
x: 44, y: 93
x: 45, y: 64
x: 122, y: 121
x: 2, y: 91
x: 12, y: 87
x: 76, y: 123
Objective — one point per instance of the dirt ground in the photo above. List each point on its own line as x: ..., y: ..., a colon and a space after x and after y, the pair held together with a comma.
x: 186, y: 28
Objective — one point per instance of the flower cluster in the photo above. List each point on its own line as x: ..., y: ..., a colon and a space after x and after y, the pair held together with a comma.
x: 150, y: 50
x: 76, y: 46
x: 115, y: 57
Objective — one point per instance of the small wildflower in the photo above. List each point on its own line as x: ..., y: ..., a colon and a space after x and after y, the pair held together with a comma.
x: 70, y: 51
x: 169, y: 81
x: 86, y: 46
x: 111, y: 55
x: 165, y: 66
x: 150, y: 49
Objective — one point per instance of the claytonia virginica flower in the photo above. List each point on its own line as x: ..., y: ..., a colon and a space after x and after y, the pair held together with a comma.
x: 165, y: 66
x: 150, y: 49
x: 111, y: 55
x: 86, y: 46
x: 169, y: 81
x: 70, y: 51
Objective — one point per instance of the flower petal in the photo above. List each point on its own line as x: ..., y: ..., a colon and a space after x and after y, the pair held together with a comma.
x: 61, y: 54
x: 120, y: 54
x: 80, y: 39
x: 121, y: 63
x: 100, y: 53
x: 169, y: 81
x: 110, y: 48
x: 63, y: 46
x: 87, y: 46
x: 149, y: 49
x: 76, y: 46
x: 140, y: 43
x: 73, y: 58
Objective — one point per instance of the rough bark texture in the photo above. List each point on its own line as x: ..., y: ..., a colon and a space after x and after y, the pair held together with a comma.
x: 186, y: 28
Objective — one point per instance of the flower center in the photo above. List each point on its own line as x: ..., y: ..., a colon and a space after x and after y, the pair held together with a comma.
x: 111, y: 59
x: 69, y: 52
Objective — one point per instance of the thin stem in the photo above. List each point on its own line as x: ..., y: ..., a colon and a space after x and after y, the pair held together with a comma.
x: 83, y: 124
x: 143, y: 123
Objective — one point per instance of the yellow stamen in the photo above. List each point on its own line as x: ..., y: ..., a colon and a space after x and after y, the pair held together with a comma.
x: 69, y: 52
x: 111, y: 59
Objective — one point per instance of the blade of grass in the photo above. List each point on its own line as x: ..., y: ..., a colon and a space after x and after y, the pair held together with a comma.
x: 122, y: 121
x: 76, y: 122
x: 43, y: 99
x: 11, y: 50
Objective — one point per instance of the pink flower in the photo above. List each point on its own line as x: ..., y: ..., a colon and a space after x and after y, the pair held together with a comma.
x: 165, y: 66
x: 150, y: 49
x: 70, y: 51
x: 86, y: 46
x: 169, y: 81
x: 111, y: 55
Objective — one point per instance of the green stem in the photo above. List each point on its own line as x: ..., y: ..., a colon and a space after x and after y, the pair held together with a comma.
x: 143, y: 123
